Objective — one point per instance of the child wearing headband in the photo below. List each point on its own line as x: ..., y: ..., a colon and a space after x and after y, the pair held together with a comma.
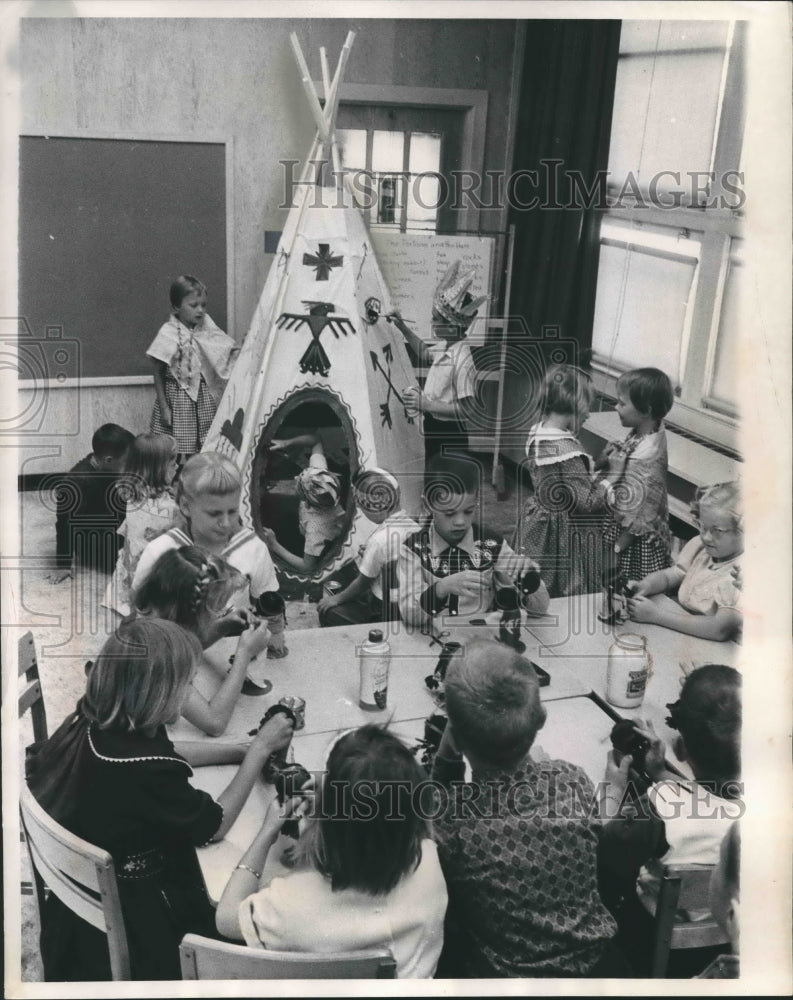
x: 320, y: 513
x: 377, y: 496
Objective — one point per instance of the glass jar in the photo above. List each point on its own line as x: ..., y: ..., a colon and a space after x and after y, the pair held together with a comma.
x: 629, y: 667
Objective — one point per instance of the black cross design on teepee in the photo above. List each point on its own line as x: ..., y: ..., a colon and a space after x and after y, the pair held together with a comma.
x: 319, y: 316
x: 323, y: 261
x: 385, y: 408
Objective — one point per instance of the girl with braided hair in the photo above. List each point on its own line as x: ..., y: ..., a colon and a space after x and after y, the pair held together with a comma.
x: 192, y: 588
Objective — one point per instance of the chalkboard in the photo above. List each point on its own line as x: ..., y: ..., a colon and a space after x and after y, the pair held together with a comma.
x: 414, y: 263
x: 105, y: 225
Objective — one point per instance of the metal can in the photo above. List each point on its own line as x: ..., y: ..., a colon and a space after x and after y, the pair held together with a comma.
x: 374, y: 658
x: 332, y: 587
x: 298, y: 708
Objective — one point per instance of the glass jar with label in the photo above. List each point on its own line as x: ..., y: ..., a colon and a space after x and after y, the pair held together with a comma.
x: 629, y: 668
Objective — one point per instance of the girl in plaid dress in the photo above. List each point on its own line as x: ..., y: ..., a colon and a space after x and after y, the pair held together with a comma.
x: 638, y: 532
x: 192, y: 360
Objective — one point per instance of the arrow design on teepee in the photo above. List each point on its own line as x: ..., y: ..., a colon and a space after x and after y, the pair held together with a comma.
x: 385, y: 408
x: 319, y: 317
x: 323, y: 261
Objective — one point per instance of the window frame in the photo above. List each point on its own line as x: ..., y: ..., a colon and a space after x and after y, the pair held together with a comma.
x: 696, y: 409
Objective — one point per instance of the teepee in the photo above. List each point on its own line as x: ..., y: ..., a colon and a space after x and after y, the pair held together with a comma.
x: 320, y: 356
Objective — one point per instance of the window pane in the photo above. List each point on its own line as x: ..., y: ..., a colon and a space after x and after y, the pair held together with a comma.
x: 387, y: 152
x: 352, y: 146
x: 657, y: 126
x: 424, y: 189
x: 723, y: 387
x: 641, y: 310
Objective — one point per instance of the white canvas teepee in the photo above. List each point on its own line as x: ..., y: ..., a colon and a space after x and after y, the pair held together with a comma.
x: 320, y: 356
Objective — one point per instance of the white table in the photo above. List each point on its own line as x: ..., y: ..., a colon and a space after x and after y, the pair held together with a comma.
x: 572, y: 633
x: 322, y: 668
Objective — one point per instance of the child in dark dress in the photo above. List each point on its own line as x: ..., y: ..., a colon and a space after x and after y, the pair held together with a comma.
x: 111, y: 775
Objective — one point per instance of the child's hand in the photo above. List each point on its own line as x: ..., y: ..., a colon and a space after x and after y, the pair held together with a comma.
x: 328, y: 602
x: 638, y: 588
x: 655, y: 756
x: 468, y: 583
x: 413, y: 399
x: 275, y: 734
x: 233, y: 622
x: 254, y: 639
x: 514, y: 567
x: 642, y: 609
x: 268, y: 537
x: 59, y: 576
x: 166, y: 416
x: 617, y: 774
x: 602, y: 461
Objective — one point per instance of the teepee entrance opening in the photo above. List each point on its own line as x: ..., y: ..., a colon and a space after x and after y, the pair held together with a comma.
x: 306, y: 417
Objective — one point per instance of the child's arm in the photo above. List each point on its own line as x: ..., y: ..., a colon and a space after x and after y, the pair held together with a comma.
x: 160, y: 369
x: 274, y: 735
x: 243, y: 881
x: 722, y: 625
x: 416, y: 346
x: 203, y: 753
x: 359, y: 586
x: 213, y: 716
x: 307, y: 565
x: 663, y: 581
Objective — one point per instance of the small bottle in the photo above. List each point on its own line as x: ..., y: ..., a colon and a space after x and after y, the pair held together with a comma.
x: 629, y: 666
x: 374, y: 659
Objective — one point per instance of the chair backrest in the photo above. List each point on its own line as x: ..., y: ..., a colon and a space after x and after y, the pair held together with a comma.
x: 683, y: 888
x: 30, y: 695
x: 389, y: 582
x: 82, y: 876
x: 203, y: 958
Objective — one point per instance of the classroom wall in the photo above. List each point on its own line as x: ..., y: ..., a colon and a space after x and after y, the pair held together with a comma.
x: 195, y: 78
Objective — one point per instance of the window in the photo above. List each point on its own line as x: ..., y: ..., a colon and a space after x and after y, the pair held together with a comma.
x: 403, y: 171
x: 670, y: 261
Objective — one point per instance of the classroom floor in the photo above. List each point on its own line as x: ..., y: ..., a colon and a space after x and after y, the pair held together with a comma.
x: 69, y: 628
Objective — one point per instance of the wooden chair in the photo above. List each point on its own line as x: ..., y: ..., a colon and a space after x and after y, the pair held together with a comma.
x: 682, y: 887
x: 203, y: 958
x: 82, y: 876
x: 30, y: 696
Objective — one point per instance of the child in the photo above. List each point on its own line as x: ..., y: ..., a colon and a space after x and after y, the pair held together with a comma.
x: 321, y: 516
x: 208, y: 496
x: 677, y: 820
x: 562, y: 520
x: 447, y: 400
x: 725, y: 904
x: 192, y: 360
x: 377, y: 494
x: 148, y: 473
x: 366, y: 878
x: 192, y: 588
x: 638, y: 533
x: 110, y: 774
x: 520, y: 868
x: 455, y: 566
x: 89, y: 507
x: 705, y: 576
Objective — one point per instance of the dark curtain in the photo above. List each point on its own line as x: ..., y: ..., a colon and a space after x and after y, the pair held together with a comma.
x: 561, y: 143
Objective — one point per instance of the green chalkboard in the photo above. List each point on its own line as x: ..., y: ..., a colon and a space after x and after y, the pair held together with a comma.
x: 104, y: 227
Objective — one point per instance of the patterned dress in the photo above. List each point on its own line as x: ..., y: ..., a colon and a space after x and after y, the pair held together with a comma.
x: 563, y: 519
x: 199, y: 363
x: 146, y: 519
x: 641, y: 505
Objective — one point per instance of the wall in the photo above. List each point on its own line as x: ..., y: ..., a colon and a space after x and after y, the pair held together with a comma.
x: 237, y: 78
